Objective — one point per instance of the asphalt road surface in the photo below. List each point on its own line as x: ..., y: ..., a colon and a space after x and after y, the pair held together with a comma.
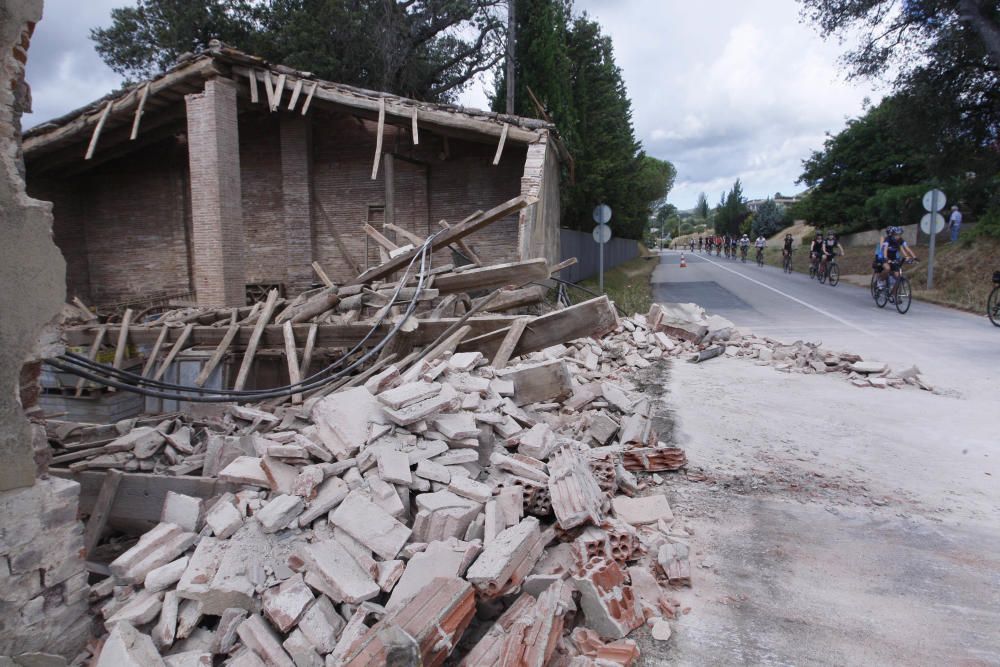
x: 833, y: 525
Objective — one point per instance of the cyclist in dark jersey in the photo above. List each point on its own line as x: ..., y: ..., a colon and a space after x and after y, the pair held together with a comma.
x: 894, y: 250
x: 830, y: 246
x: 816, y: 249
x: 787, y: 249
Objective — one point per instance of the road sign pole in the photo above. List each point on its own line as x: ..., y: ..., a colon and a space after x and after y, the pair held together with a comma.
x: 600, y: 278
x: 930, y: 255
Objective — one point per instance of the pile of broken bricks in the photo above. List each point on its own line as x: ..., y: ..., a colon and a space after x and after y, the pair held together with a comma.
x: 716, y: 336
x: 453, y: 511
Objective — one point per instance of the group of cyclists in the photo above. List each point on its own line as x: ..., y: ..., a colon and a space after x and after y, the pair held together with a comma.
x: 890, y: 253
x: 729, y: 245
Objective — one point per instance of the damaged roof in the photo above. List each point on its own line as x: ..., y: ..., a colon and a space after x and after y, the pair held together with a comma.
x: 123, y: 110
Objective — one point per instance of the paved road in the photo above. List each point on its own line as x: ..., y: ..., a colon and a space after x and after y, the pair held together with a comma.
x: 832, y: 525
x: 955, y: 349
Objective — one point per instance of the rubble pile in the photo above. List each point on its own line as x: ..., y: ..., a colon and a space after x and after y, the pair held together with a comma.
x: 399, y: 519
x: 690, y: 322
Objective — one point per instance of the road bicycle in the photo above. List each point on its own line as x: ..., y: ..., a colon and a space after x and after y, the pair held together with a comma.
x: 760, y: 257
x: 786, y: 263
x: 898, y: 290
x: 831, y: 274
x: 813, y: 266
x: 993, y: 303
x: 743, y: 254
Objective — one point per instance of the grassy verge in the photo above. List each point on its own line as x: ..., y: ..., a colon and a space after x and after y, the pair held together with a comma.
x: 627, y: 285
x: 962, y: 272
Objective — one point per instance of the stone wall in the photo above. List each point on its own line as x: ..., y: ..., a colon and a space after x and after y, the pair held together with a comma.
x: 43, y: 584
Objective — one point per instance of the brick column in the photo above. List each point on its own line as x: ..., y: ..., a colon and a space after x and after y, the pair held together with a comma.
x: 296, y: 189
x: 218, y: 238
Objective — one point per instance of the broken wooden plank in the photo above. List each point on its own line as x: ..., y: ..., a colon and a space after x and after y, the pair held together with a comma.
x: 92, y: 146
x: 296, y: 91
x: 101, y: 510
x: 322, y: 274
x: 309, y: 98
x: 155, y: 352
x: 269, y: 89
x: 307, y: 350
x: 219, y: 352
x: 565, y: 264
x: 377, y: 236
x: 265, y: 316
x: 516, y: 298
x: 292, y: 361
x: 174, y: 351
x: 463, y: 247
x: 337, y: 238
x: 254, y: 95
x: 491, y: 277
x: 406, y: 234
x: 509, y: 342
x: 592, y: 318
x: 138, y: 112
x: 122, y: 344
x: 279, y: 90
x: 414, y: 130
x: 448, y: 237
x: 378, y: 136
x: 503, y: 140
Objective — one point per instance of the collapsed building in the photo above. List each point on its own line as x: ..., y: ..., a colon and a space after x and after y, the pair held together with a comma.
x: 228, y: 175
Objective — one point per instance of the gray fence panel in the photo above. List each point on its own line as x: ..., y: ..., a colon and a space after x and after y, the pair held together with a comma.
x: 581, y: 245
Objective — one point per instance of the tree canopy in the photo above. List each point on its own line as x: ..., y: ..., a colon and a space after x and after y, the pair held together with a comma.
x: 425, y: 49
x: 567, y: 65
x: 732, y: 211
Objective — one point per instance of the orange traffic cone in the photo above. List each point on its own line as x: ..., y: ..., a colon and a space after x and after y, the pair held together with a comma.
x: 683, y: 262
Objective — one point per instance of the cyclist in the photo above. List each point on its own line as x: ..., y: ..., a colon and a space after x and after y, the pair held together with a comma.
x: 744, y: 246
x: 786, y: 251
x: 725, y: 244
x: 760, y: 244
x: 816, y: 251
x: 894, y: 249
x: 699, y: 243
x: 692, y: 245
x: 718, y: 245
x: 830, y: 246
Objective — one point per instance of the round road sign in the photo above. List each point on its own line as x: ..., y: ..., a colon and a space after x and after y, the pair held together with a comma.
x: 602, y: 214
x: 925, y: 223
x: 602, y: 234
x: 940, y: 201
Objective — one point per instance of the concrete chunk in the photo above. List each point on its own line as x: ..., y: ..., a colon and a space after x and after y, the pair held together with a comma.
x: 285, y: 603
x: 245, y: 470
x: 322, y: 625
x: 165, y: 575
x: 371, y: 525
x: 263, y: 641
x: 468, y: 488
x: 334, y: 572
x: 279, y: 513
x: 644, y: 510
x: 394, y: 466
x: 224, y: 519
x: 127, y: 647
x: 330, y: 494
x: 408, y: 394
x: 185, y: 511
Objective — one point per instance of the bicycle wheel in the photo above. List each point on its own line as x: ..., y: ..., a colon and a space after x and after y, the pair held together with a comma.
x: 902, y: 295
x: 760, y: 259
x: 821, y: 274
x: 881, y: 295
x: 874, y: 284
x: 834, y: 272
x: 787, y: 264
x: 993, y: 306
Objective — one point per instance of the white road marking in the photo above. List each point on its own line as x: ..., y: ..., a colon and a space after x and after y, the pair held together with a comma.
x: 825, y: 313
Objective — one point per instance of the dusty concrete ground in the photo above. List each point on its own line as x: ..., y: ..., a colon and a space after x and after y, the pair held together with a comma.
x: 831, y: 525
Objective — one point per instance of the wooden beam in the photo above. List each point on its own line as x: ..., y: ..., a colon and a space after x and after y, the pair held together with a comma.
x: 406, y: 234
x: 101, y: 511
x: 378, y: 136
x: 491, y: 277
x: 279, y: 90
x: 155, y: 352
x: 122, y: 343
x: 141, y: 495
x: 138, y: 112
x: 565, y: 264
x: 447, y: 238
x: 309, y: 98
x: 254, y: 94
x: 269, y: 89
x: 87, y: 313
x: 174, y: 351
x: 389, y: 216
x: 291, y: 359
x: 590, y: 318
x: 219, y: 352
x: 414, y: 129
x: 322, y: 274
x: 265, y: 316
x: 463, y: 247
x: 377, y: 236
x: 296, y: 91
x: 518, y: 298
x: 503, y: 140
x: 307, y: 350
x: 509, y: 342
x: 92, y: 146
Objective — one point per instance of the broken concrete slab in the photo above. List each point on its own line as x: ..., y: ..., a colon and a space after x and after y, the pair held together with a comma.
x: 644, y: 510
x: 371, y: 525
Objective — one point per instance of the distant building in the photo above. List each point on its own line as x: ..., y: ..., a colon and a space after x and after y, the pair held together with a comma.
x: 778, y: 198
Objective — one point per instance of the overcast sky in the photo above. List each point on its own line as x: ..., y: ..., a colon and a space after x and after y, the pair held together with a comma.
x: 724, y: 90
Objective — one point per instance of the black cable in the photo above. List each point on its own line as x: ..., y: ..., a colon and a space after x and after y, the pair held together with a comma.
x: 584, y: 289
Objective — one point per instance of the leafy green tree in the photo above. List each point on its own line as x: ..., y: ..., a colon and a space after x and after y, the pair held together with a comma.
x: 427, y: 49
x: 731, y: 211
x: 769, y: 219
x: 569, y: 66
x: 702, y: 209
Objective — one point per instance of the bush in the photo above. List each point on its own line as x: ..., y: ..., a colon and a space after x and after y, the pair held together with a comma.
x: 989, y: 224
x: 769, y: 219
x: 686, y: 228
x: 898, y: 205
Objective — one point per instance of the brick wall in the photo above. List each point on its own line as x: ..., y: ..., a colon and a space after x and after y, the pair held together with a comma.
x: 263, y: 208
x: 123, y: 226
x: 218, y: 239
